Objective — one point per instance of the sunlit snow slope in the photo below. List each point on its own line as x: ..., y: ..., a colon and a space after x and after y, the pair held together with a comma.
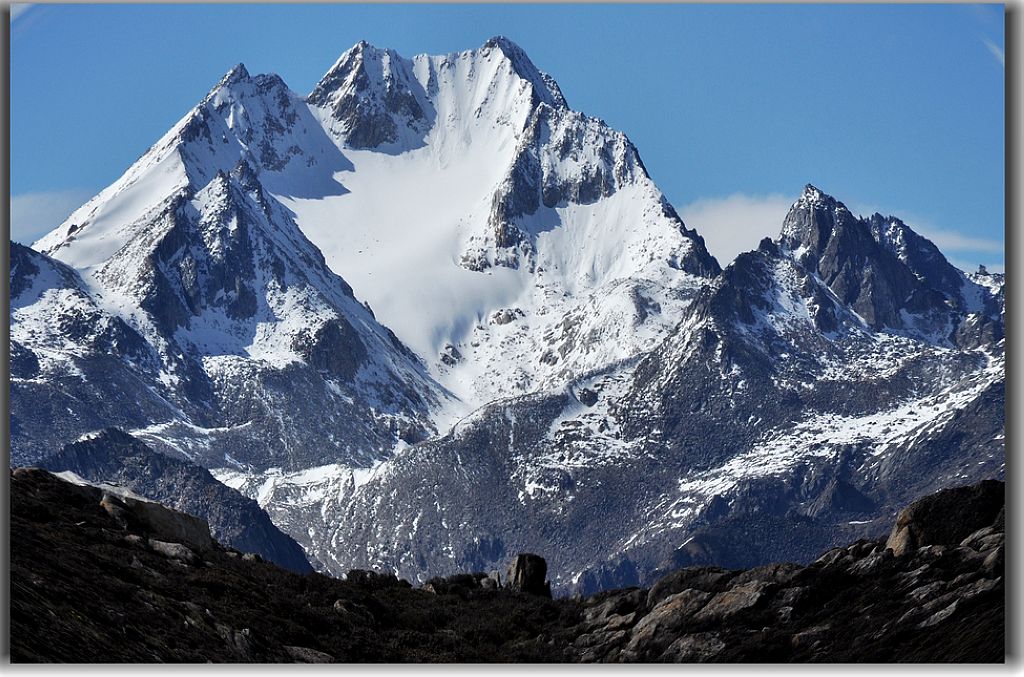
x: 511, y: 242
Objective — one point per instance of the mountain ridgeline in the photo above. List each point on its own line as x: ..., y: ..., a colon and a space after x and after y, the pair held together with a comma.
x: 429, y: 316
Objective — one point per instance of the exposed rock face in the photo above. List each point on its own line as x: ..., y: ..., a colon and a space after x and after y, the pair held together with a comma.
x: 115, y: 457
x: 373, y: 96
x: 136, y: 515
x: 528, y: 573
x: 947, y: 518
x: 334, y: 348
x: 882, y: 269
x: 857, y: 603
x: 109, y: 593
x: 75, y: 367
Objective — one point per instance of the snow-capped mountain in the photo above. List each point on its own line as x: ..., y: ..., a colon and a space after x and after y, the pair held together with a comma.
x: 524, y: 242
x: 569, y: 372
x: 775, y: 421
x: 512, y: 242
x: 244, y: 331
x: 74, y: 366
x: 508, y: 240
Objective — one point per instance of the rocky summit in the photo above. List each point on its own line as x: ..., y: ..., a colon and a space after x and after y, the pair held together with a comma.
x: 101, y: 576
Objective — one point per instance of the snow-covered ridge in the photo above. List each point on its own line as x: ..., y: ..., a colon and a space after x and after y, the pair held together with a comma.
x: 443, y: 189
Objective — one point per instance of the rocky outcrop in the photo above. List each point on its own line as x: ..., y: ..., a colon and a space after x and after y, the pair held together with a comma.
x: 937, y: 599
x: 528, y: 574
x: 90, y: 585
x: 891, y: 276
x: 134, y: 514
x: 113, y: 456
x: 373, y: 95
x: 947, y: 517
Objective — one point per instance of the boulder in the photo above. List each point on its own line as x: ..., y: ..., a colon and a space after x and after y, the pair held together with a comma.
x: 810, y: 637
x: 618, y: 604
x: 994, y: 562
x: 873, y: 564
x: 708, y: 579
x: 947, y: 517
x: 663, y: 625
x: 158, y: 521
x: 528, y: 573
x: 697, y: 648
x: 781, y: 573
x: 175, y: 551
x: 728, y: 604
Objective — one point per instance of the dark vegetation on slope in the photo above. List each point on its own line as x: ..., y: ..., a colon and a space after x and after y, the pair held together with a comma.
x: 94, y: 580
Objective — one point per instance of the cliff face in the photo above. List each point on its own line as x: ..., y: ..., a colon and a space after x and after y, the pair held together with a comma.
x: 99, y: 577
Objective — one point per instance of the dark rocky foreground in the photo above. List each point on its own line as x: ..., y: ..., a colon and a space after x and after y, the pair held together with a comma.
x: 101, y: 578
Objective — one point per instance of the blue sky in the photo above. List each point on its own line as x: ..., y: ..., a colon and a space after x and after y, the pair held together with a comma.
x: 734, y: 108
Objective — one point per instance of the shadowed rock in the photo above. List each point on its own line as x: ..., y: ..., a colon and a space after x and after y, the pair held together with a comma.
x: 528, y: 574
x: 947, y: 517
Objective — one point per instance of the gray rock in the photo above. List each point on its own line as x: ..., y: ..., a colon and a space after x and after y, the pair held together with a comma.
x: 872, y: 564
x: 926, y: 593
x: 809, y: 637
x: 172, y: 550
x: 946, y: 518
x: 655, y: 631
x: 708, y: 579
x: 528, y: 573
x: 781, y: 573
x: 994, y: 562
x: 727, y: 604
x: 302, y: 654
x: 159, y: 521
x: 791, y: 596
x: 696, y: 648
x: 974, y: 540
x: 939, y: 616
x: 831, y: 557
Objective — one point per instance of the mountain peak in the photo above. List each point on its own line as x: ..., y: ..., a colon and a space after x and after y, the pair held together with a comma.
x: 504, y: 44
x: 811, y: 222
x: 544, y: 86
x: 238, y: 73
x: 812, y: 196
x: 880, y: 267
x: 362, y: 49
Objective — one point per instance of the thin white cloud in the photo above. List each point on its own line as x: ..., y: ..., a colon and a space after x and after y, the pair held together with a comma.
x: 951, y: 241
x: 997, y: 51
x: 972, y: 266
x: 35, y: 214
x: 17, y: 9
x: 737, y: 223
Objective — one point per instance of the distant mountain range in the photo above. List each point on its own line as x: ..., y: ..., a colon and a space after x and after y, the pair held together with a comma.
x: 429, y: 315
